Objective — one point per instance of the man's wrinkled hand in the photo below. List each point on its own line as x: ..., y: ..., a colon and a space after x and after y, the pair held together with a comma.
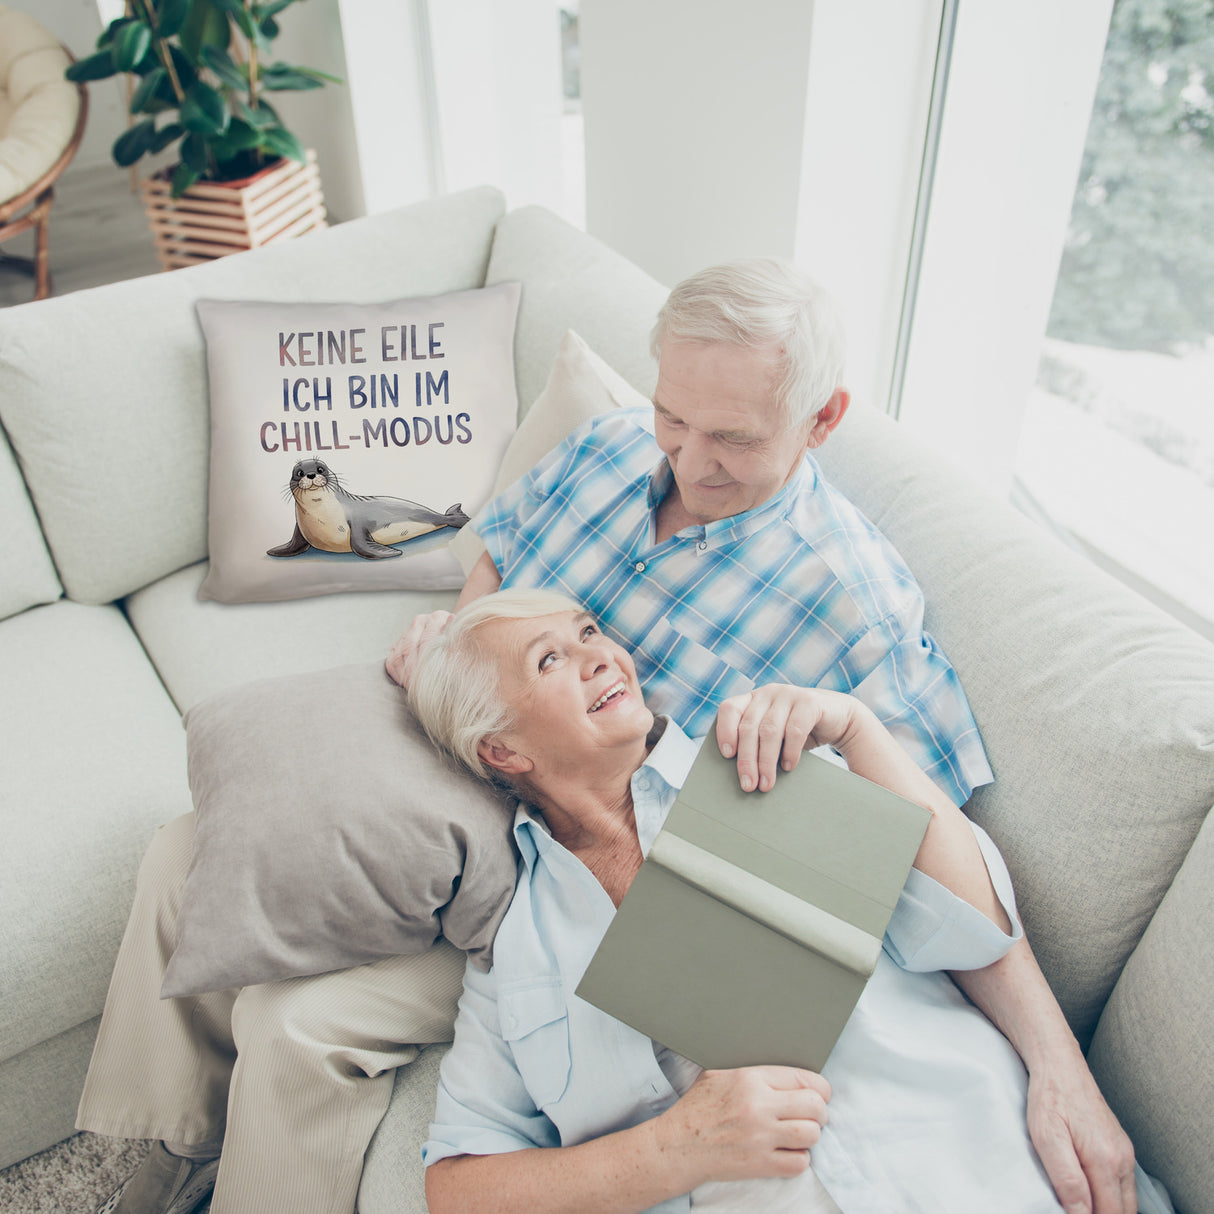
x: 402, y: 659
x: 1086, y: 1154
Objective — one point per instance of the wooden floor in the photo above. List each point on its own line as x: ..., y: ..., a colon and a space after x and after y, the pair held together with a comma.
x: 98, y: 234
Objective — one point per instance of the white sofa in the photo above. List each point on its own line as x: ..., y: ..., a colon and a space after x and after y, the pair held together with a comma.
x: 1097, y: 711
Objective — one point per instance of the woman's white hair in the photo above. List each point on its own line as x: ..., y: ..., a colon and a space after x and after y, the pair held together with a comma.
x: 454, y: 691
x: 763, y: 303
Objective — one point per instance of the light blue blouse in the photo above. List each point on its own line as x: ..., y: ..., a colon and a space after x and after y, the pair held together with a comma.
x: 928, y: 1104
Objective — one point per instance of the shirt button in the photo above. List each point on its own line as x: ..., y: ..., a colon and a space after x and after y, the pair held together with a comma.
x: 639, y: 566
x: 702, y: 545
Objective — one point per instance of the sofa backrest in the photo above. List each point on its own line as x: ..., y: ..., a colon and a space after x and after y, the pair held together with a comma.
x: 104, y: 392
x: 1097, y: 712
x: 29, y: 574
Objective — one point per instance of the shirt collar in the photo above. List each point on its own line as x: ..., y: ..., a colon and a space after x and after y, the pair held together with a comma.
x: 737, y: 526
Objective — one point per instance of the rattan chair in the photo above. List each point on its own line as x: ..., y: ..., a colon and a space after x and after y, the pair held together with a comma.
x: 42, y: 117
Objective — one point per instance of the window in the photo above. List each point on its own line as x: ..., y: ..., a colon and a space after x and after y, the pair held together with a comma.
x: 1117, y: 443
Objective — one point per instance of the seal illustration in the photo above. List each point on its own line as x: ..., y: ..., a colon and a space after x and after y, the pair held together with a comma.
x: 332, y: 519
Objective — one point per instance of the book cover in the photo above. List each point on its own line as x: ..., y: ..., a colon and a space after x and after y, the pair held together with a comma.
x: 755, y: 921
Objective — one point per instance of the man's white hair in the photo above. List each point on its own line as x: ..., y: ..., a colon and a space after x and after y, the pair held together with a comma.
x: 763, y: 303
x: 455, y: 692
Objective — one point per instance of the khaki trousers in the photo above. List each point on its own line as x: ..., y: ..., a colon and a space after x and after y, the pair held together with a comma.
x: 293, y: 1076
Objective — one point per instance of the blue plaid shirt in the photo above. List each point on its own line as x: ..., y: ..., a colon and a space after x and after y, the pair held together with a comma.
x: 802, y: 589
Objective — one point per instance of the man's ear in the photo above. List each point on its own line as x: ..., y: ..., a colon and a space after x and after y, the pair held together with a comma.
x: 829, y: 416
x: 501, y: 758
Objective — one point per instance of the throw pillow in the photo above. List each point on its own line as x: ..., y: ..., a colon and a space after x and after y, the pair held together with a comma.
x: 329, y: 832
x: 349, y: 443
x: 580, y: 386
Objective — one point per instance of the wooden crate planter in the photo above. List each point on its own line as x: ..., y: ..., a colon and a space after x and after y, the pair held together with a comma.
x: 215, y: 218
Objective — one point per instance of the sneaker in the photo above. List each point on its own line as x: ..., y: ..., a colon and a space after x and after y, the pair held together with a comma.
x: 164, y: 1184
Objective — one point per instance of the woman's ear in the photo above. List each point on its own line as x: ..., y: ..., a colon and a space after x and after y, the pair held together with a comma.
x: 494, y: 753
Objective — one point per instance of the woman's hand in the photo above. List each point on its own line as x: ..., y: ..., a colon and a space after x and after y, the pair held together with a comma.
x: 402, y: 661
x: 770, y: 727
x: 755, y: 1121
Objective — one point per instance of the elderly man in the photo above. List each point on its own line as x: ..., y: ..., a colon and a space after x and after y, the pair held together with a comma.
x: 704, y: 538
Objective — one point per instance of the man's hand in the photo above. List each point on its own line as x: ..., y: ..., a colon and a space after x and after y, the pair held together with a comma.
x: 401, y: 661
x: 770, y: 727
x: 1087, y: 1155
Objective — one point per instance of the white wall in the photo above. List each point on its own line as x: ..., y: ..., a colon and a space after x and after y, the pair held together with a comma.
x: 497, y: 71
x: 870, y: 82
x: 694, y: 126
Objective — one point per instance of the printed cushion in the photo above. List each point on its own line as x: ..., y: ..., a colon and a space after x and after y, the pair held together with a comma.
x: 328, y: 833
x: 349, y: 443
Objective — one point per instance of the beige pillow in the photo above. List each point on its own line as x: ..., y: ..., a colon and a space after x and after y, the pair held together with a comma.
x: 580, y: 386
x: 329, y: 832
x: 349, y: 442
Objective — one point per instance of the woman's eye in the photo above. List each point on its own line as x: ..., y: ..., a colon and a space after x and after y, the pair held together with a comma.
x: 589, y: 631
x: 547, y: 660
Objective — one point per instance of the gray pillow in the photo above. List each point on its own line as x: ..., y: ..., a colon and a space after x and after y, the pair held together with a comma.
x: 330, y: 833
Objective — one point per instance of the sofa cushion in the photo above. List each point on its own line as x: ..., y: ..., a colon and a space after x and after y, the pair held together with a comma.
x: 29, y: 573
x: 1152, y: 1054
x: 572, y: 281
x: 1097, y: 710
x: 352, y: 441
x: 201, y: 648
x: 328, y: 833
x: 110, y: 423
x: 93, y: 760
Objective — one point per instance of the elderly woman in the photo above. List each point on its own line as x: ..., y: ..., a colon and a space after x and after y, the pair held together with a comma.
x: 547, y: 1103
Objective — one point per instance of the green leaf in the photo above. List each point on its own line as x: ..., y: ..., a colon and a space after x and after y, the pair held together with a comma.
x: 171, y: 16
x: 131, y: 44
x: 272, y: 9
x: 166, y: 135
x: 241, y: 137
x: 281, y: 142
x: 132, y: 144
x: 95, y: 67
x: 225, y: 67
x: 194, y: 153
x: 144, y: 97
x: 187, y: 73
x: 106, y: 39
x: 279, y: 77
x: 204, y: 112
x: 268, y: 29
x: 262, y: 118
x: 205, y: 26
x: 183, y: 178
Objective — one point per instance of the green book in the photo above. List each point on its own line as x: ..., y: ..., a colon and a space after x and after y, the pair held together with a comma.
x: 757, y: 918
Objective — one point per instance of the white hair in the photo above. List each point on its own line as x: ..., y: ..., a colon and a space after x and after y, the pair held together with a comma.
x: 763, y: 303
x: 454, y: 691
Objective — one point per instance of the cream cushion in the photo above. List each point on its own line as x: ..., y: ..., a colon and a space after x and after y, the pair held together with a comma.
x: 38, y: 106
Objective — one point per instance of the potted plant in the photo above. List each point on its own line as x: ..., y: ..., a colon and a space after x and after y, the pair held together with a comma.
x: 201, y: 71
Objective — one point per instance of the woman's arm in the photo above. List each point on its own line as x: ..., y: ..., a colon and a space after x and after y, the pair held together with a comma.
x: 769, y: 728
x: 730, y: 1125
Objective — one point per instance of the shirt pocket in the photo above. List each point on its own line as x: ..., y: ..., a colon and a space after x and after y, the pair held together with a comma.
x: 535, y: 1024
x: 682, y: 671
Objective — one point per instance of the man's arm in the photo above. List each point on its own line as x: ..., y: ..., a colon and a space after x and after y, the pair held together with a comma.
x: 1087, y: 1155
x: 483, y: 579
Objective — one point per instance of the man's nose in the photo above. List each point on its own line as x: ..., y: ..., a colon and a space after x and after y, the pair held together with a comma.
x: 697, y: 457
